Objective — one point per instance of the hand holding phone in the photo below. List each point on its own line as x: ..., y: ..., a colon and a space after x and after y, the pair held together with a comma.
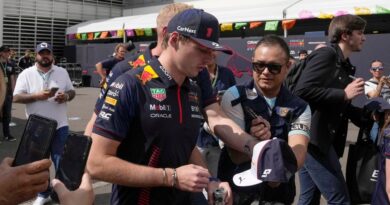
x: 61, y: 97
x: 36, y: 140
x: 53, y: 90
x: 73, y: 159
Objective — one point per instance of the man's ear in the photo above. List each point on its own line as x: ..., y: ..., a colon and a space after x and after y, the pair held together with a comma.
x: 288, y: 64
x: 344, y: 37
x: 174, y: 40
x: 164, y: 30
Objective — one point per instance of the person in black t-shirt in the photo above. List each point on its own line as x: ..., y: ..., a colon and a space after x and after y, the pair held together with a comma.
x: 104, y: 67
x: 26, y: 60
x: 8, y: 70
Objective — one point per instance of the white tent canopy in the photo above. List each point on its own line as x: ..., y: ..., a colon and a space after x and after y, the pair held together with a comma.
x: 230, y: 11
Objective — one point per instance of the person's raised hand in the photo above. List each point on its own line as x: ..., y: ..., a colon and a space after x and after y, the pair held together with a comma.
x: 82, y: 196
x: 24, y: 182
x: 355, y: 88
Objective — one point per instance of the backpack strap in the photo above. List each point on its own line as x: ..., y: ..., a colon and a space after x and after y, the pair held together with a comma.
x: 242, y: 95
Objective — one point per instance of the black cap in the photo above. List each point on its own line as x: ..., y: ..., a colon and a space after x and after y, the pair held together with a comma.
x: 4, y: 49
x: 377, y: 104
x: 200, y: 26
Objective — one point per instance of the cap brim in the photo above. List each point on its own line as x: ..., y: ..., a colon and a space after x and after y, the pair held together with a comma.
x: 246, y: 178
x: 212, y: 45
x: 40, y: 50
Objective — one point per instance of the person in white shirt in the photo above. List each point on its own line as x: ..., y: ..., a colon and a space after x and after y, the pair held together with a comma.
x: 378, y: 85
x: 45, y: 89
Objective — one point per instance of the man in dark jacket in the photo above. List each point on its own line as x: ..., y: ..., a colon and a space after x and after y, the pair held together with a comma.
x: 327, y: 86
x: 26, y: 61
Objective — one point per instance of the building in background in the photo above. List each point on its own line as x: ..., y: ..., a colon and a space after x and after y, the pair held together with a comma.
x: 25, y: 23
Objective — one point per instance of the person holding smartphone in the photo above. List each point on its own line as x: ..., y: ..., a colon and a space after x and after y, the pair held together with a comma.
x: 36, y: 87
x: 22, y: 183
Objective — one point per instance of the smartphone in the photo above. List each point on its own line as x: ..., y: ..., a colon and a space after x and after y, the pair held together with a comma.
x: 73, y: 159
x: 36, y: 140
x: 54, y: 90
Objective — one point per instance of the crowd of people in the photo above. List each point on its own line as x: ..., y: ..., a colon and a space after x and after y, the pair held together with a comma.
x: 169, y: 122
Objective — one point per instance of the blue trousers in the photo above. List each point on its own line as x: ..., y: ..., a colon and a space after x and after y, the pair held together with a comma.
x: 57, y: 146
x: 322, y: 172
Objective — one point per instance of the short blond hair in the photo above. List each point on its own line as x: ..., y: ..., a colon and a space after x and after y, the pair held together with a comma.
x: 168, y: 11
x: 120, y: 45
x: 164, y: 43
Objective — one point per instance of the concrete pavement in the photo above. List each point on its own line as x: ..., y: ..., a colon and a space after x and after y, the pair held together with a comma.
x: 79, y: 112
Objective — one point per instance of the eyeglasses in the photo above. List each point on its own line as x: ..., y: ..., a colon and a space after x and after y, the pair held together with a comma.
x: 377, y: 68
x: 260, y: 66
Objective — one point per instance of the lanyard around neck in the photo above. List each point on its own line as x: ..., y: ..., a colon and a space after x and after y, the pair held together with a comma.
x: 215, y: 78
x: 45, y: 77
x: 4, y: 67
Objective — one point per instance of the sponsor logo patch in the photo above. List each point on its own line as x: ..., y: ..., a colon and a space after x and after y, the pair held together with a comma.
x: 158, y: 94
x: 157, y: 107
x: 110, y: 100
x: 147, y: 74
x: 197, y: 116
x: 166, y: 73
x: 283, y: 111
x: 116, y: 85
x: 299, y: 126
x: 250, y: 94
x: 194, y: 108
x: 137, y: 63
x: 193, y: 97
x: 104, y: 115
x: 266, y: 172
x: 160, y: 115
x: 186, y: 29
x: 114, y: 93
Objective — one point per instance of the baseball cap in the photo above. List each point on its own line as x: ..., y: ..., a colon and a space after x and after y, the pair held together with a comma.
x: 377, y: 104
x: 43, y: 46
x: 4, y: 49
x: 200, y: 26
x: 272, y: 161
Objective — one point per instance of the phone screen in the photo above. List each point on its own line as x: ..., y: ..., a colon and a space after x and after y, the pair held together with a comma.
x: 36, y: 140
x: 54, y: 89
x: 73, y: 160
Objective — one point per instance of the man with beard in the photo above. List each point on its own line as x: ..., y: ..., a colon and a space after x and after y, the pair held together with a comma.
x: 45, y: 88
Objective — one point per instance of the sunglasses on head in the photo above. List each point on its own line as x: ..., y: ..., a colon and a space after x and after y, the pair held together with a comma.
x: 260, y: 66
x: 377, y: 68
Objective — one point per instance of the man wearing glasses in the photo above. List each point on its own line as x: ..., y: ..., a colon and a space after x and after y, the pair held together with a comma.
x: 378, y: 85
x: 288, y: 115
